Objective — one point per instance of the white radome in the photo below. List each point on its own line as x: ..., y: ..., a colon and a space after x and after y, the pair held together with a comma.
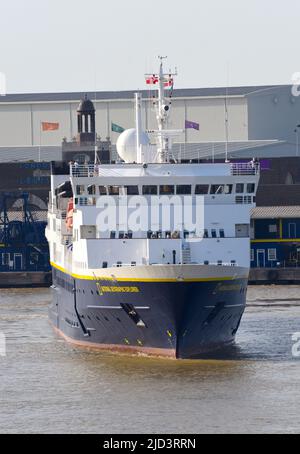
x: 126, y: 144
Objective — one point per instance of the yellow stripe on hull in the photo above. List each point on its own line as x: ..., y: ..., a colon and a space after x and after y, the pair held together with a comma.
x: 123, y: 279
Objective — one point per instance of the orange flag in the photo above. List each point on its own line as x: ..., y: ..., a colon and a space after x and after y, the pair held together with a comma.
x: 50, y: 126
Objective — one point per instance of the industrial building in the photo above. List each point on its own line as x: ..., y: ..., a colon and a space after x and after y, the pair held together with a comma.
x: 260, y: 121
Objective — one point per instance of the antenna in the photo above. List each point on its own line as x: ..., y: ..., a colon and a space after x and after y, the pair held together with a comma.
x: 226, y: 115
x: 163, y: 106
x: 96, y: 157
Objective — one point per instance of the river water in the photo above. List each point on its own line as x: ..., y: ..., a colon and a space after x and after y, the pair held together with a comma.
x: 48, y: 386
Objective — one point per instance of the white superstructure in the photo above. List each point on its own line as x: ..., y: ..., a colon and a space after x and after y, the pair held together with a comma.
x: 218, y: 197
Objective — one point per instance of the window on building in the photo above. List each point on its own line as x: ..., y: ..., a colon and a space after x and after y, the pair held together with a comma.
x: 292, y: 230
x: 201, y: 188
x: 272, y: 228
x: 132, y: 190
x: 5, y: 258
x: 184, y: 189
x: 250, y: 188
x: 102, y: 190
x: 239, y: 188
x: 166, y: 189
x: 150, y: 190
x: 272, y: 254
x: 113, y: 190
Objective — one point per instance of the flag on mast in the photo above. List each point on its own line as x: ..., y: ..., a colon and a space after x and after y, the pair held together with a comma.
x: 152, y: 80
x: 169, y: 82
x: 117, y: 128
x: 46, y: 126
x: 192, y: 125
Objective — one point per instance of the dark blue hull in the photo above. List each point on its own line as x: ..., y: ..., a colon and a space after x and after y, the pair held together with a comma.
x: 175, y: 319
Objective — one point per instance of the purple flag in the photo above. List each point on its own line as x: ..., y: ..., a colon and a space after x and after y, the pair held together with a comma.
x: 191, y: 125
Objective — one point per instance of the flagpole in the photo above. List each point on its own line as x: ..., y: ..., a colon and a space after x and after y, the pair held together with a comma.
x: 40, y: 141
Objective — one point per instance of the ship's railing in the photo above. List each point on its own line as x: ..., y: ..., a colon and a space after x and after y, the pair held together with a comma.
x: 246, y: 199
x: 219, y: 263
x: 84, y: 170
x: 245, y: 168
x: 237, y: 168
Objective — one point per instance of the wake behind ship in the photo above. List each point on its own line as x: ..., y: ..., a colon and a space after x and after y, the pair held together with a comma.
x: 150, y: 255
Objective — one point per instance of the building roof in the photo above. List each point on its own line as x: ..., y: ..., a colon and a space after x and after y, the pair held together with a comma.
x: 276, y: 212
x: 129, y: 94
x: 203, y: 150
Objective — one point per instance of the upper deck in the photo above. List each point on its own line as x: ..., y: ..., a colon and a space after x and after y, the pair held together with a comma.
x: 164, y: 170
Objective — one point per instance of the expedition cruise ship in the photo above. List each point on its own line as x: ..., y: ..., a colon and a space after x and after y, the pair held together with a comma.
x: 150, y: 255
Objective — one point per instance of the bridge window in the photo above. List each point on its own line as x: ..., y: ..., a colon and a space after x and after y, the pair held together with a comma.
x: 214, y: 233
x: 132, y: 190
x: 91, y: 189
x: 80, y: 189
x: 149, y: 190
x: 184, y: 189
x: 222, y: 233
x: 251, y: 188
x: 113, y: 190
x: 102, y: 190
x: 166, y: 189
x: 228, y: 189
x: 239, y: 189
x: 201, y: 189
x: 217, y: 188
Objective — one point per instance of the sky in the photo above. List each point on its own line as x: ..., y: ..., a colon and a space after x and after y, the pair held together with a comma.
x: 87, y: 45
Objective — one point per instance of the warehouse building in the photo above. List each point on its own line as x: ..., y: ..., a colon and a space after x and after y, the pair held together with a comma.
x: 260, y: 121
